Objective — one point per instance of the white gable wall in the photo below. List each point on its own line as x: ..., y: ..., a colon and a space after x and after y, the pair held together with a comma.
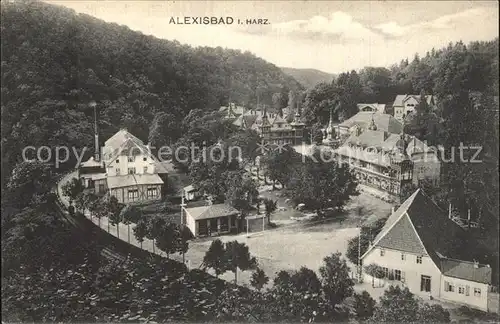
x: 413, y: 270
x: 121, y: 164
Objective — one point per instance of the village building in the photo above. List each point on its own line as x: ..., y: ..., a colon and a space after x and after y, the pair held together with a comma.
x: 405, y: 104
x: 421, y: 248
x: 212, y: 219
x: 274, y: 128
x: 362, y: 120
x: 191, y: 193
x: 372, y: 107
x: 388, y: 162
x: 127, y: 170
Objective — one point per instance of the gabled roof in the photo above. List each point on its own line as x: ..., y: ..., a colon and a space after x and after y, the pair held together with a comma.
x: 211, y: 211
x: 419, y: 226
x: 120, y: 137
x: 400, y: 99
x: 375, y: 106
x: 189, y: 188
x: 123, y: 143
x: 384, y: 122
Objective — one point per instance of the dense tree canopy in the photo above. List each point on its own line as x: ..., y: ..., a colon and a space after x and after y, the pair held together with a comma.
x: 55, y: 61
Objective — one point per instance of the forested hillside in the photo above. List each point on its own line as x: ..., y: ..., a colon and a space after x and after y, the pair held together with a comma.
x: 464, y: 80
x: 308, y: 77
x: 55, y: 61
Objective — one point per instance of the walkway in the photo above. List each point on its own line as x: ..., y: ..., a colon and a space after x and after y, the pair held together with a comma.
x: 122, y: 231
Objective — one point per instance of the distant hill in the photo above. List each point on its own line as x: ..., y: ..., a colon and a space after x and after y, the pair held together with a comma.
x: 55, y: 61
x: 308, y: 77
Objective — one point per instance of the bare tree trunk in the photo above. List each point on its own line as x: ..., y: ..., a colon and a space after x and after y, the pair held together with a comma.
x: 118, y: 230
x: 236, y: 275
x: 153, y: 245
x: 129, y: 233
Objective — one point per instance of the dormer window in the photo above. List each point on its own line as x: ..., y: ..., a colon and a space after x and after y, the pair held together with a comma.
x: 117, y: 160
x: 131, y: 159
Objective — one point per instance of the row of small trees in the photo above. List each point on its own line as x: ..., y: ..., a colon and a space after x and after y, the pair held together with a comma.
x: 166, y: 236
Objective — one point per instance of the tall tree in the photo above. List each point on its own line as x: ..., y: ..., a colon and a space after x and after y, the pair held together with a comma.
x: 323, y: 183
x: 337, y: 284
x: 238, y: 256
x: 164, y: 129
x: 72, y: 189
x: 270, y: 207
x: 214, y: 257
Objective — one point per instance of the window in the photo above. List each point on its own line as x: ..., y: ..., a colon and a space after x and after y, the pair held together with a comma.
x: 403, y: 257
x: 152, y: 192
x: 144, y: 159
x: 461, y: 290
x: 425, y: 283
x: 397, y: 275
x: 131, y: 170
x: 386, y: 272
x: 131, y: 159
x: 133, y: 194
x: 477, y: 292
x: 117, y: 161
x: 145, y: 169
x: 117, y: 170
x: 419, y: 260
x: 382, y: 252
x: 448, y: 286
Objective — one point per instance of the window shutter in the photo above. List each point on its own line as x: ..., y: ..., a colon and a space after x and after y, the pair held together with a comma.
x: 467, y: 290
x: 403, y: 276
x: 446, y: 286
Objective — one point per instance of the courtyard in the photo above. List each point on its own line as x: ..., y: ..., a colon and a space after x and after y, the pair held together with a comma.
x: 293, y: 244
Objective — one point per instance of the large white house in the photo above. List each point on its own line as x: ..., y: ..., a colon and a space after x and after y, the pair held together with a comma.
x: 421, y: 248
x: 127, y: 170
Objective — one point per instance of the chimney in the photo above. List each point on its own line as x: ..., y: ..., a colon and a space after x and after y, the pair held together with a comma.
x: 93, y: 104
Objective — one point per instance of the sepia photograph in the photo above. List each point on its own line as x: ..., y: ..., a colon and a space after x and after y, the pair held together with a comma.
x: 250, y: 161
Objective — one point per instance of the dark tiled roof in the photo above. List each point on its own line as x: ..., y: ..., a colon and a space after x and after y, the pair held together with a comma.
x: 384, y: 122
x: 211, y: 211
x: 419, y: 219
x: 466, y: 270
x: 402, y: 237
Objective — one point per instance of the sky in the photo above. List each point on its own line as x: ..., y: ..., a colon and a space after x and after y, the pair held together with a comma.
x: 331, y: 36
